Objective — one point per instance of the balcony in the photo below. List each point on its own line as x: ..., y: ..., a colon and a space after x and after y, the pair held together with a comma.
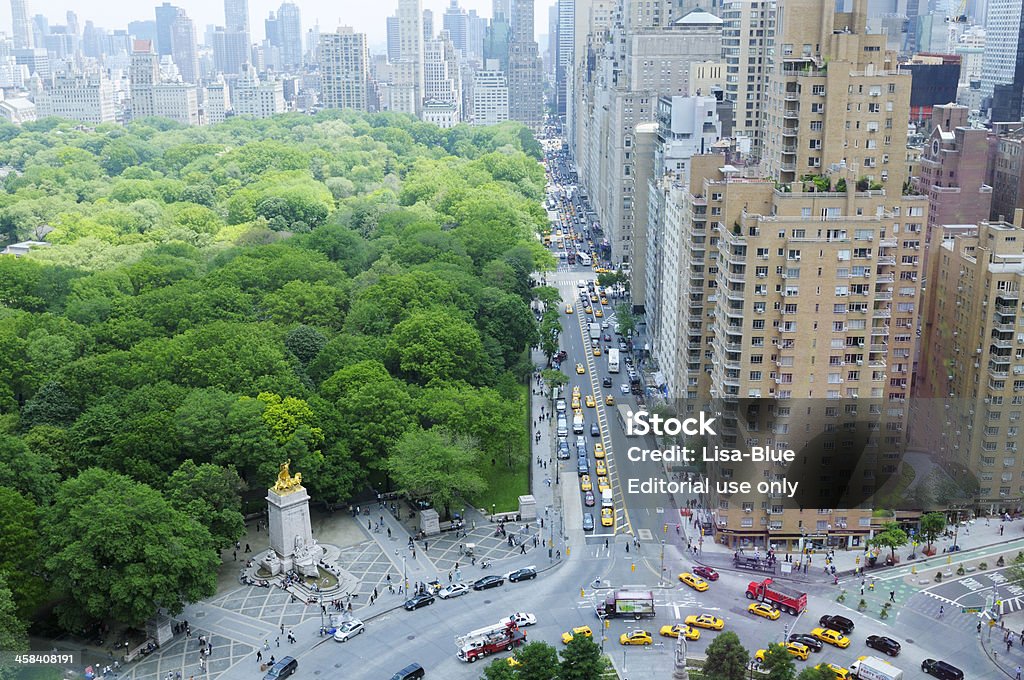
x: 886, y: 259
x: 885, y: 278
x: 789, y: 148
x: 881, y: 313
x: 883, y: 295
x: 994, y: 373
x: 879, y: 347
x: 1006, y: 309
x: 787, y: 167
x: 887, y: 243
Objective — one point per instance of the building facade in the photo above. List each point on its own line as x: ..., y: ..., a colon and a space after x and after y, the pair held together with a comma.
x: 88, y: 99
x: 407, y: 89
x: 748, y: 41
x: 344, y: 69
x: 525, y: 69
x: 490, y: 96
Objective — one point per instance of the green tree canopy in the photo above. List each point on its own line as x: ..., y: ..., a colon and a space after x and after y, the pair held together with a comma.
x: 581, y: 660
x: 727, y: 658
x: 436, y: 465
x: 891, y: 537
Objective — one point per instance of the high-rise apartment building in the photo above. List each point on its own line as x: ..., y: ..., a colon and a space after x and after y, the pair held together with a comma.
x: 442, y: 78
x: 564, y: 41
x: 971, y: 375
x: 748, y: 40
x: 344, y: 69
x: 525, y: 70
x: 289, y: 26
x: 85, y: 98
x: 456, y: 22
x: 394, y: 49
x: 230, y: 51
x: 143, y: 76
x: 407, y: 90
x: 216, y: 102
x: 1002, y: 38
x: 260, y: 99
x: 1007, y: 170
x: 21, y: 25
x: 490, y: 96
x: 183, y: 47
x: 971, y: 50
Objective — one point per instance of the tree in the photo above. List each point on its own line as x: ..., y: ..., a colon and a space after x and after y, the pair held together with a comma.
x: 117, y: 550
x: 437, y: 345
x: 1015, y: 573
x: 539, y: 661
x: 581, y: 660
x: 49, y: 406
x: 554, y: 379
x: 21, y: 551
x: 779, y: 663
x: 305, y: 342
x: 499, y: 669
x: 891, y: 537
x: 932, y: 526
x: 819, y: 672
x: 13, y: 630
x: 212, y: 496
x: 437, y: 465
x: 626, y: 320
x: 727, y: 658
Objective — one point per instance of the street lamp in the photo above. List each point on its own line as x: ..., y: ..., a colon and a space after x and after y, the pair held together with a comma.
x: 662, y: 577
x: 405, y: 575
x: 321, y: 612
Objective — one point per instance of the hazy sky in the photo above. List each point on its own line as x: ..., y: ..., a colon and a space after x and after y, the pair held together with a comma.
x: 365, y: 15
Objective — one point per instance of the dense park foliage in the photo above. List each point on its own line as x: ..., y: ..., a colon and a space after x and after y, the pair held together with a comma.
x: 348, y: 292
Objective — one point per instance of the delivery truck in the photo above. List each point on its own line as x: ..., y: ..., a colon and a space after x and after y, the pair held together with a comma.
x: 624, y: 604
x: 873, y: 668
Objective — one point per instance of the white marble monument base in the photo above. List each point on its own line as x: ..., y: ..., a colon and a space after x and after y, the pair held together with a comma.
x: 288, y: 521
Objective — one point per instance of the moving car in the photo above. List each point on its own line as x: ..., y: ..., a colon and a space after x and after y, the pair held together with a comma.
x: 840, y: 672
x: 705, y: 621
x: 585, y: 484
x: 602, y: 484
x: 598, y: 313
x: 833, y: 637
x: 588, y: 521
x: 680, y: 629
x: 588, y: 499
x: 282, y: 669
x: 568, y: 309
x: 705, y: 572
x: 524, y: 574
x: 606, y: 382
x: 578, y: 630
x: 589, y: 310
x: 695, y: 582
x: 607, y: 517
x: 417, y: 601
x: 636, y: 637
x: 609, y: 400
x: 454, y: 590
x: 883, y: 644
x: 349, y: 629
x: 590, y: 401
x: 600, y: 468
x: 624, y: 388
x: 767, y: 611
x: 598, y: 450
x: 595, y: 430
x: 580, y: 370
x: 523, y: 619
x: 942, y: 670
x: 489, y: 581
x: 805, y: 639
x: 794, y: 648
x: 413, y: 671
x: 597, y: 350
x: 840, y: 623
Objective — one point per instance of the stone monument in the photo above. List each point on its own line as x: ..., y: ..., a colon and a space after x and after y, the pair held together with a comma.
x: 291, y: 535
x: 430, y: 523
x: 679, y: 669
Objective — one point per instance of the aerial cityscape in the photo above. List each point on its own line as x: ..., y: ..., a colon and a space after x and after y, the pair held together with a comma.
x: 659, y: 338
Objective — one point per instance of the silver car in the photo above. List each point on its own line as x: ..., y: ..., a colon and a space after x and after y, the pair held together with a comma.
x: 348, y: 630
x: 454, y: 590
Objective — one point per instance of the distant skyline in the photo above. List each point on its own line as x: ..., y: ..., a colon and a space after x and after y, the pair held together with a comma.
x: 365, y: 17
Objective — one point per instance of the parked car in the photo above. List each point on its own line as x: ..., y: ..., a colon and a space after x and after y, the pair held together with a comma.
x: 883, y: 644
x: 413, y: 671
x: 805, y: 639
x: 523, y: 619
x: 282, y: 669
x: 706, y: 573
x: 524, y: 574
x: 840, y: 623
x: 454, y: 590
x: 417, y: 601
x: 588, y: 521
x: 349, y: 629
x: 489, y: 581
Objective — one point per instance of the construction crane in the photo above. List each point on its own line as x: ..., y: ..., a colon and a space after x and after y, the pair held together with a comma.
x: 958, y: 18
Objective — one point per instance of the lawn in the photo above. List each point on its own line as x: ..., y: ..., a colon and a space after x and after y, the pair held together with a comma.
x: 505, y: 486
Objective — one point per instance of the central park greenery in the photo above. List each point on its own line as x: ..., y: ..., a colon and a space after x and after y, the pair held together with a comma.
x: 348, y: 292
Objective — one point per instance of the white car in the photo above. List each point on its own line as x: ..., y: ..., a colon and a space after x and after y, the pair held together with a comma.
x: 523, y: 619
x: 348, y: 630
x: 624, y: 388
x: 454, y: 590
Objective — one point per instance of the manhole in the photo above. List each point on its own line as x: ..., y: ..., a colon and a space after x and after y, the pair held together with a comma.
x: 410, y: 637
x: 910, y: 641
x: 487, y: 601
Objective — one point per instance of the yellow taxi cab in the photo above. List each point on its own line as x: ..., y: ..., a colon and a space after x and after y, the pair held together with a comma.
x: 695, y: 582
x: 594, y: 298
x: 575, y: 403
x: 590, y: 401
x: 607, y: 517
x: 840, y: 672
x: 765, y: 610
x: 679, y: 629
x: 597, y: 350
x: 513, y: 662
x: 602, y: 484
x: 598, y: 450
x: 585, y: 483
x: 598, y: 313
x: 797, y: 649
x: 600, y: 469
x: 579, y: 630
x: 609, y: 400
x: 588, y: 310
x: 637, y: 637
x: 580, y: 369
x: 604, y: 301
x: 705, y: 621
x: 833, y: 637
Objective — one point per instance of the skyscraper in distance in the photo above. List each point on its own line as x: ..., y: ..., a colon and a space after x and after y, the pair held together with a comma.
x: 456, y: 22
x: 22, y: 26
x: 289, y: 21
x: 183, y: 47
x: 407, y: 95
x: 236, y: 15
x: 344, y: 69
x: 394, y: 49
x: 165, y: 15
x: 525, y: 81
x: 428, y: 24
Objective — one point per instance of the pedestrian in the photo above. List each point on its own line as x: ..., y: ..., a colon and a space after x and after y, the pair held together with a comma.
x: 389, y: 532
x: 266, y: 645
x: 892, y: 596
x: 862, y: 590
x: 278, y: 639
x: 522, y: 549
x: 426, y: 546
x: 369, y: 525
x: 449, y: 577
x: 375, y: 593
x: 1009, y: 643
x: 282, y: 629
x: 414, y: 554
x: 238, y: 545
x: 209, y: 650
x: 234, y: 553
x: 627, y: 547
x: 247, y: 548
x: 1018, y: 666
x: 272, y: 660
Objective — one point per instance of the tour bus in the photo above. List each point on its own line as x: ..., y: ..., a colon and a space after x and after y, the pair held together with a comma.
x: 613, y: 360
x: 583, y: 258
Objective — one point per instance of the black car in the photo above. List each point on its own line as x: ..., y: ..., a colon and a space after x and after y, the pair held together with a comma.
x: 490, y: 581
x: 883, y: 644
x: 840, y: 623
x: 524, y: 574
x: 418, y: 601
x: 805, y: 639
x: 607, y: 382
x: 942, y: 670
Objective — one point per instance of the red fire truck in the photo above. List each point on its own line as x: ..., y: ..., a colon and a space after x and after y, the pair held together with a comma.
x: 499, y: 637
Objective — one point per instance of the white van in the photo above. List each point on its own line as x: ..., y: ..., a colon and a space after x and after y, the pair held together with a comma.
x: 563, y: 428
x: 577, y: 424
x: 606, y: 499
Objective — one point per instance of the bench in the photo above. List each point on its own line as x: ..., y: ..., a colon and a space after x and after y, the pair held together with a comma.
x: 137, y: 652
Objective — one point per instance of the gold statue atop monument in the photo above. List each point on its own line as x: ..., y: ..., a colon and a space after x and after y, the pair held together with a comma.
x: 285, y: 482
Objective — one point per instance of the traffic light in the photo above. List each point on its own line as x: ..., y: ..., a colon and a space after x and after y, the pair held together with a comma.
x: 664, y: 529
x: 632, y: 567
x: 582, y: 594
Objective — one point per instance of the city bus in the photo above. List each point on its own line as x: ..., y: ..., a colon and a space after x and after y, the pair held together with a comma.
x: 583, y: 258
x: 613, y: 360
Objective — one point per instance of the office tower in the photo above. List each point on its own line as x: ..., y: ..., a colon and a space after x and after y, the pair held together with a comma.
x: 953, y: 168
x: 746, y: 22
x: 1008, y: 98
x: 72, y: 23
x: 548, y: 45
x: 501, y: 8
x: 407, y: 92
x: 971, y: 49
x: 442, y: 82
x: 497, y: 37
x: 88, y: 99
x: 1002, y: 38
x: 141, y: 30
x: 428, y: 24
x: 344, y: 69
x: 143, y: 76
x: 165, y: 16
x: 35, y: 59
x: 971, y: 373
x: 92, y: 38
x: 1007, y: 170
x: 490, y: 95
x: 564, y: 39
x: 21, y: 25
x: 525, y: 71
x: 40, y: 29
x: 289, y: 22
x: 183, y: 47
x: 456, y: 22
x: 272, y: 29
x: 394, y: 49
x: 236, y: 15
x: 230, y: 51
x: 475, y: 28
